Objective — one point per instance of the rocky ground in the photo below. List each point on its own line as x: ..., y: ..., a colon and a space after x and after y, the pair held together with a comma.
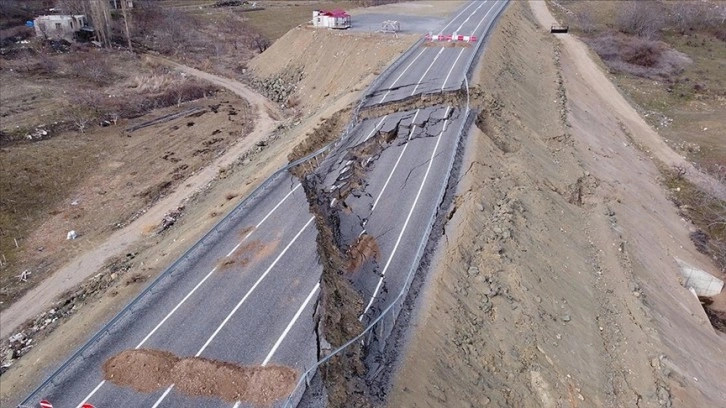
x: 556, y: 283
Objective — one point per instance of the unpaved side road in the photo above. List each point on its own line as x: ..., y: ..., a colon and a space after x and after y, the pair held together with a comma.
x: 85, y: 265
x: 556, y: 283
x: 644, y: 135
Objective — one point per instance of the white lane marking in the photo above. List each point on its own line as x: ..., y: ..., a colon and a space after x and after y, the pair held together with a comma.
x: 452, y: 69
x: 399, y: 77
x: 462, y: 50
x: 264, y: 219
x: 252, y: 289
x: 467, y: 19
x: 188, y: 295
x: 168, y: 390
x: 242, y: 301
x: 289, y: 325
x: 438, y: 54
x: 408, y: 217
x: 91, y: 394
x: 484, y: 19
x: 284, y: 333
x: 375, y: 128
x: 395, y: 166
x: 457, y: 16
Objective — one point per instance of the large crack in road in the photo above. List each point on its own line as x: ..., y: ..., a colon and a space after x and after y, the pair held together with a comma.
x: 342, y: 199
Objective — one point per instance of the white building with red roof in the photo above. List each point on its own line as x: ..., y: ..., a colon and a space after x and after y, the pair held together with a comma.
x: 337, y: 18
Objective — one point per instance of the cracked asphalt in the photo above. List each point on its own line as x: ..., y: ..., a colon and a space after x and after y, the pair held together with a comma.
x: 255, y: 312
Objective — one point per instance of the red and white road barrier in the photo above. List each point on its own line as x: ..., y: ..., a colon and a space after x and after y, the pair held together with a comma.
x: 46, y: 404
x: 450, y: 37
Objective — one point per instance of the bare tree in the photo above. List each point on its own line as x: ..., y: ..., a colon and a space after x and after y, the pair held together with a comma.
x: 125, y: 13
x: 100, y: 15
x: 643, y: 18
x: 260, y: 42
x: 585, y: 20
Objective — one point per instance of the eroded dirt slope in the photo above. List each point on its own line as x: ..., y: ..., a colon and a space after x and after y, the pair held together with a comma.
x: 558, y: 284
x: 330, y: 63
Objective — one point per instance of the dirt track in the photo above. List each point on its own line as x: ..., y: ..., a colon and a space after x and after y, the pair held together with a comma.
x: 557, y: 284
x: 40, y: 298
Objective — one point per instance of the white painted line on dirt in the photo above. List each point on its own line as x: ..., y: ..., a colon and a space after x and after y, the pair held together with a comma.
x: 264, y: 219
x: 395, y: 166
x: 408, y: 217
x: 242, y: 301
x: 289, y: 325
x: 188, y: 295
x: 98, y: 387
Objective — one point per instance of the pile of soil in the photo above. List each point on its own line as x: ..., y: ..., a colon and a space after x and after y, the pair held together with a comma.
x: 147, y: 370
x: 319, y: 55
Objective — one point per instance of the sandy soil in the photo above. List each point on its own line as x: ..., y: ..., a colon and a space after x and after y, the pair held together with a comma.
x: 557, y: 283
x: 334, y: 63
x: 147, y: 370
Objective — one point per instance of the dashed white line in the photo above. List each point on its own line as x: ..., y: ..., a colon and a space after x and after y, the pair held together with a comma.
x: 241, y: 302
x: 426, y: 72
x: 289, y: 325
x: 264, y: 219
x: 400, y: 76
x: 395, y: 166
x: 408, y: 217
x: 188, y: 295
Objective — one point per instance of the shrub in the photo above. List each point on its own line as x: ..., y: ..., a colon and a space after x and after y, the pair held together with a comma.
x: 638, y: 56
x: 641, y: 18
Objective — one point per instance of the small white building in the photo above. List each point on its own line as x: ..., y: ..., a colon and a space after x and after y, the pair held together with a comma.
x: 58, y: 27
x: 337, y: 19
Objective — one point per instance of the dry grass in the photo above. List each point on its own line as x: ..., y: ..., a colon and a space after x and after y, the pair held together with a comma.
x: 279, y: 17
x: 707, y: 213
x: 639, y: 56
x: 683, y: 100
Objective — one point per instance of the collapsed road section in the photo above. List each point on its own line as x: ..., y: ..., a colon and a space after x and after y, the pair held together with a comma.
x: 375, y: 200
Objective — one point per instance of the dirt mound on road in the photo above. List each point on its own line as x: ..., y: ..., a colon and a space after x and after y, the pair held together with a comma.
x: 318, y: 53
x: 147, y: 370
x: 144, y: 370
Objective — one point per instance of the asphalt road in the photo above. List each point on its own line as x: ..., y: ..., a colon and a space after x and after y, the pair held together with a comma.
x: 248, y: 297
